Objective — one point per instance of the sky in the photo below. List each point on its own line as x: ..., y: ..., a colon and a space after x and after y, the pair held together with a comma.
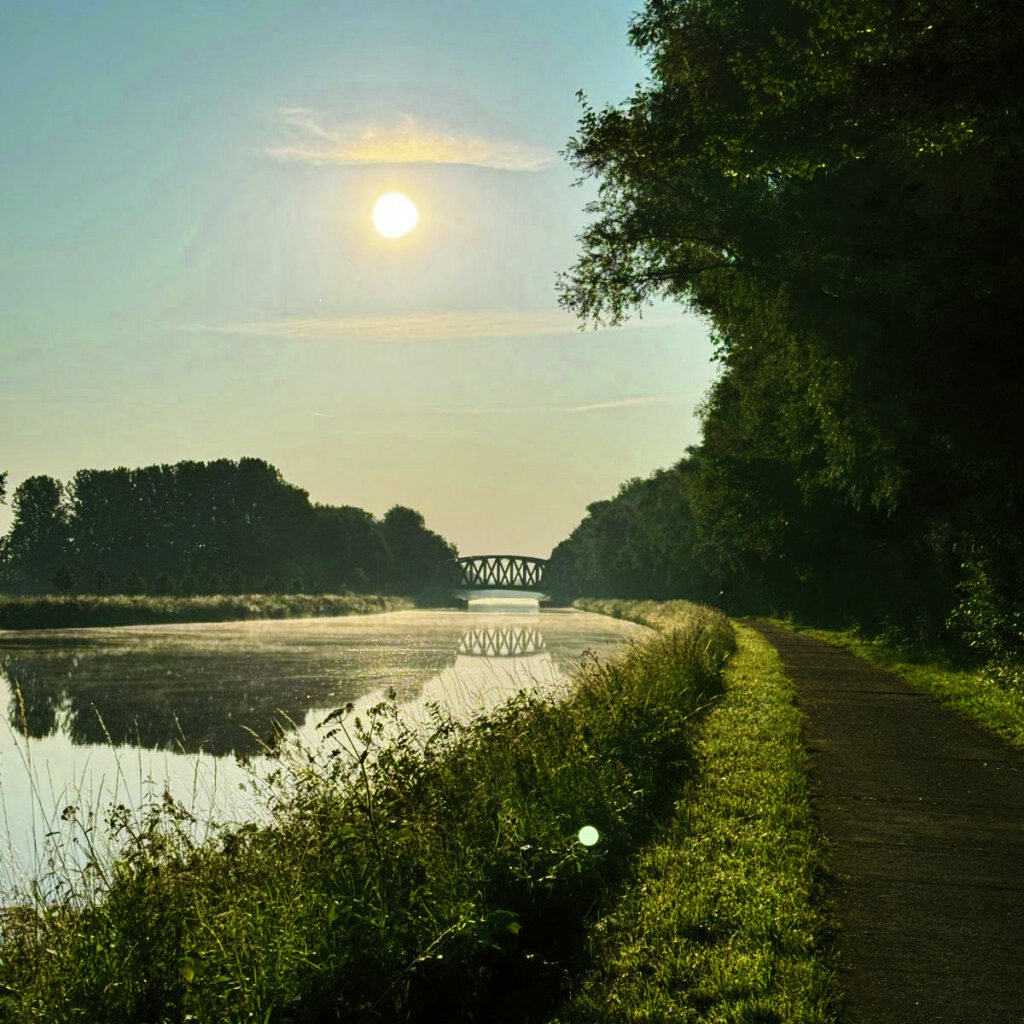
x: 188, y: 268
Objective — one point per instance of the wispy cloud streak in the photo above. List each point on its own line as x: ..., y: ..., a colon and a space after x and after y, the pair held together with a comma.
x: 620, y: 403
x: 311, y: 139
x: 632, y: 402
x: 463, y: 325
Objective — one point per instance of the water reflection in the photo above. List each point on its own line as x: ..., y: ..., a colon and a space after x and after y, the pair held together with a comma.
x: 214, y: 691
x: 96, y: 717
x: 501, y: 642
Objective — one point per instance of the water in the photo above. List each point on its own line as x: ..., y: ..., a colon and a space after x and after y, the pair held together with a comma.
x: 101, y: 717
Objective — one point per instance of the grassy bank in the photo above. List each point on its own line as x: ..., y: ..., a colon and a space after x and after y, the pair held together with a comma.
x: 58, y: 612
x: 978, y: 694
x: 402, y: 877
x: 723, y: 919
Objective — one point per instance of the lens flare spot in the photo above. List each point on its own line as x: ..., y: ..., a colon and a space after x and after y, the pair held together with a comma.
x: 588, y: 835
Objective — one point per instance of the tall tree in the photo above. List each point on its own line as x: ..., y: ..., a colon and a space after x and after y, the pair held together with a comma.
x: 38, y: 541
x: 206, y: 524
x: 644, y: 542
x: 416, y: 552
x: 347, y: 549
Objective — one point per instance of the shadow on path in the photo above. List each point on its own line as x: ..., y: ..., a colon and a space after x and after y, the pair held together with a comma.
x: 924, y: 814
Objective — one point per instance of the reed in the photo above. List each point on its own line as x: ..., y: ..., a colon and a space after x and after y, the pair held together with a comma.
x: 404, y: 874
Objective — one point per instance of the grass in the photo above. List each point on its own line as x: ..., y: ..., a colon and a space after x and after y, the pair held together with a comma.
x: 724, y: 918
x: 661, y: 615
x: 977, y: 694
x: 69, y: 612
x: 412, y: 876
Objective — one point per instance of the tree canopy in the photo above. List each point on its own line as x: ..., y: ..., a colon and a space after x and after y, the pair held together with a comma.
x: 836, y: 188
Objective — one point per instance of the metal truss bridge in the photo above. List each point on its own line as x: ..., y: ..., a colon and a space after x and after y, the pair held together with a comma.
x: 474, y: 573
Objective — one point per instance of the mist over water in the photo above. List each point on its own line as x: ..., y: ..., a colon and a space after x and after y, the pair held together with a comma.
x: 496, y: 604
x: 101, y: 717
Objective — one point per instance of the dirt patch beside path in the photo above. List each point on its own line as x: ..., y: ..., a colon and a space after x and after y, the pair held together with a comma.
x: 924, y: 814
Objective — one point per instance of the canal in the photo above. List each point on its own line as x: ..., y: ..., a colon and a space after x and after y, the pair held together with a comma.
x: 99, y: 718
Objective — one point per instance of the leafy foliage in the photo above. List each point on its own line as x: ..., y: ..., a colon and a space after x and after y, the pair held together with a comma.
x: 835, y: 187
x: 641, y: 543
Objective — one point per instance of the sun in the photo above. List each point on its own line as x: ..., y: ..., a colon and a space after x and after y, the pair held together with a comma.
x: 394, y: 214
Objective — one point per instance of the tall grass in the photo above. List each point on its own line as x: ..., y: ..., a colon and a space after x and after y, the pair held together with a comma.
x: 663, y: 615
x: 724, y: 919
x: 68, y: 612
x: 405, y: 875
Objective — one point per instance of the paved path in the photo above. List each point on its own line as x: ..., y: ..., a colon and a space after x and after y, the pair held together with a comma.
x: 925, y: 818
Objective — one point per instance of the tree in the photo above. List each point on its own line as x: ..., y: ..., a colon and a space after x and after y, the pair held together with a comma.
x: 38, y: 541
x: 188, y: 519
x: 346, y: 548
x: 836, y: 188
x: 416, y: 552
x: 769, y: 128
x: 224, y: 523
x: 643, y: 543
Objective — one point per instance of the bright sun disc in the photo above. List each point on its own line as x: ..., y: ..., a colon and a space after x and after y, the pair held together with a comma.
x: 394, y: 215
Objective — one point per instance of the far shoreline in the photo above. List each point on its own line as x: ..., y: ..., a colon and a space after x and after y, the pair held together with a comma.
x: 18, y: 614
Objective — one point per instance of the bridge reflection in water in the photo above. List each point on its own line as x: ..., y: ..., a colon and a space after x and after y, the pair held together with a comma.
x: 492, y: 664
x: 502, y: 642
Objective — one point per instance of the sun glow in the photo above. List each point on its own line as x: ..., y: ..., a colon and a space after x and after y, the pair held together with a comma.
x: 394, y: 214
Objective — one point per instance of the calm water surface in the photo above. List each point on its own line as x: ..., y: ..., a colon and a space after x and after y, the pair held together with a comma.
x: 98, y: 717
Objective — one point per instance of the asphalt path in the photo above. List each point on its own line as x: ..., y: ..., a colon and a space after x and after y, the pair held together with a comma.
x: 924, y: 816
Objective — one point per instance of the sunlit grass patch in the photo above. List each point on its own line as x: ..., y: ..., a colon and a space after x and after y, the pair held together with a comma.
x: 665, y: 615
x: 724, y: 920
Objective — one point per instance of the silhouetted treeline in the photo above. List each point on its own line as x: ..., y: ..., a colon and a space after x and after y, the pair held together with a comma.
x: 643, y: 543
x: 836, y: 188
x: 195, y: 527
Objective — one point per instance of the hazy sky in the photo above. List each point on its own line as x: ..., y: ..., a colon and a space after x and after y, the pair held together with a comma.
x: 188, y: 269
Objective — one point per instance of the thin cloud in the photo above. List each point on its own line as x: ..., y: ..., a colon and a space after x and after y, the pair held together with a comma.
x: 632, y: 402
x: 455, y: 326
x: 464, y: 325
x: 620, y: 403
x: 313, y: 140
